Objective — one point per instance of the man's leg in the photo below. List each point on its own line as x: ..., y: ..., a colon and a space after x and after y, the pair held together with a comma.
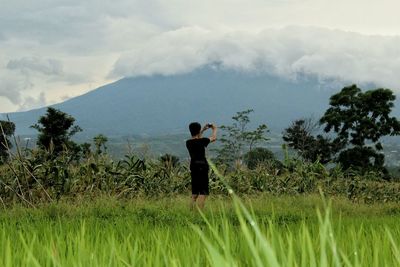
x: 202, y: 199
x: 193, y: 201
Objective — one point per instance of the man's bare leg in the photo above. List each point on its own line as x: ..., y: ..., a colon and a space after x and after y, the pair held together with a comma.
x: 193, y: 201
x: 202, y: 199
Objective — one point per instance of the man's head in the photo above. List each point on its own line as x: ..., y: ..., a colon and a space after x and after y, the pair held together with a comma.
x: 194, y: 128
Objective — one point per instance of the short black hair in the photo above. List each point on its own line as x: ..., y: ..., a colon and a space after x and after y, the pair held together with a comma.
x: 194, y: 128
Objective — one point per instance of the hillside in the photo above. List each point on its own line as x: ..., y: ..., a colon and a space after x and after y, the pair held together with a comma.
x: 166, y: 104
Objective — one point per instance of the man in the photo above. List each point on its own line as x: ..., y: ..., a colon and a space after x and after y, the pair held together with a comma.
x: 198, y: 164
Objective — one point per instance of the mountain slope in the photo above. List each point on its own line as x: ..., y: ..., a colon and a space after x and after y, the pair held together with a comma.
x: 166, y: 104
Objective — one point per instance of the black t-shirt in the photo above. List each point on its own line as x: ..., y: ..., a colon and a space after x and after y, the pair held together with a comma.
x: 197, y: 149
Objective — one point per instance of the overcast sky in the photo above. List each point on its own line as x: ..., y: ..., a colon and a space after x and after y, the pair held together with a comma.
x: 53, y: 50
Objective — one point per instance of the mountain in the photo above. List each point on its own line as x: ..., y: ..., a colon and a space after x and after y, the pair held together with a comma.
x: 157, y: 105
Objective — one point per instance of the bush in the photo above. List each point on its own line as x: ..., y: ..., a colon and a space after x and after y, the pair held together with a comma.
x: 261, y: 156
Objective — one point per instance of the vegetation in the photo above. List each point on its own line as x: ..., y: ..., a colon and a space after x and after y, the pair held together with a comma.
x: 260, y: 231
x: 261, y: 156
x: 59, y: 168
x: 359, y: 120
x: 34, y: 179
x: 100, y: 143
x: 170, y: 160
x: 357, y: 117
x: 237, y: 139
x: 66, y: 205
x: 7, y: 129
x: 299, y: 136
x: 55, y: 131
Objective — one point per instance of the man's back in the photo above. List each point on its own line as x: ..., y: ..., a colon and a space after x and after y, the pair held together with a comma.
x: 196, y: 148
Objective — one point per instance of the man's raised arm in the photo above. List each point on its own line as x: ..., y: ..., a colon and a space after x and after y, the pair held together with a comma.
x: 213, y: 136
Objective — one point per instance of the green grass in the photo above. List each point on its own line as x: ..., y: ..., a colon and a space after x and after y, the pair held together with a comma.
x: 270, y: 231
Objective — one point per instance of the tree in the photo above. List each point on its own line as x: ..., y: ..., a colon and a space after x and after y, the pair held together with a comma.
x: 360, y: 119
x: 55, y: 131
x: 236, y: 139
x: 7, y: 129
x: 100, y: 143
x: 260, y: 155
x: 299, y: 136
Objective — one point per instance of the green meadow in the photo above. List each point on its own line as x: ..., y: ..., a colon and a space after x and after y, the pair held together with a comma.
x: 261, y: 230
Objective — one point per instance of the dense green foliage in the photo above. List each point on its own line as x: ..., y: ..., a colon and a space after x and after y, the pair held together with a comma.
x: 360, y: 119
x: 261, y: 156
x: 34, y: 179
x: 55, y: 131
x: 299, y: 136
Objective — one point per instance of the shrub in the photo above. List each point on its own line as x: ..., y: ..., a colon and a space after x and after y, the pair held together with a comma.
x: 260, y: 156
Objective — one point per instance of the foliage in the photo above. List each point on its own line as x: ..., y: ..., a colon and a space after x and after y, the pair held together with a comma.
x: 260, y: 156
x: 100, y: 143
x: 311, y: 148
x: 236, y: 139
x: 37, y: 176
x: 169, y: 160
x: 85, y: 149
x: 7, y: 129
x: 55, y: 130
x: 360, y: 119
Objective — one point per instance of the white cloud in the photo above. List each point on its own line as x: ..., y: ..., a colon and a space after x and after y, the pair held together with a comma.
x: 32, y: 103
x: 91, y: 38
x: 11, y: 86
x: 285, y: 52
x: 47, y: 66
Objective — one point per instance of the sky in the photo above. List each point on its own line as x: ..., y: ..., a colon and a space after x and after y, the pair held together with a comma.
x: 52, y: 50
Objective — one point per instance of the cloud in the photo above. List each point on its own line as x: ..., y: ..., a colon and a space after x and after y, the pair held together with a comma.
x: 12, y: 85
x: 285, y: 52
x: 20, y: 76
x: 34, y: 64
x: 70, y: 46
x: 32, y: 103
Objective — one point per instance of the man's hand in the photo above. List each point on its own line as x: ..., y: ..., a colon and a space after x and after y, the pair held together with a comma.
x: 205, y: 127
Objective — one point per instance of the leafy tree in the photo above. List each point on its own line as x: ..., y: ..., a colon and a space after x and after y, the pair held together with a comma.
x: 360, y: 119
x: 260, y: 155
x: 299, y: 136
x: 100, y: 143
x: 55, y: 130
x: 236, y: 139
x: 7, y: 129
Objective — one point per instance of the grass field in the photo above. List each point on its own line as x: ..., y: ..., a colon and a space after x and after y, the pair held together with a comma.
x: 270, y: 231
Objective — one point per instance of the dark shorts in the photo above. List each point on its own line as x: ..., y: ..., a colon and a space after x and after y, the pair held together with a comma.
x: 199, y: 174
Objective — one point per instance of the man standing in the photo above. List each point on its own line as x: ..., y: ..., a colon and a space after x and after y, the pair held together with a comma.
x: 198, y: 164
